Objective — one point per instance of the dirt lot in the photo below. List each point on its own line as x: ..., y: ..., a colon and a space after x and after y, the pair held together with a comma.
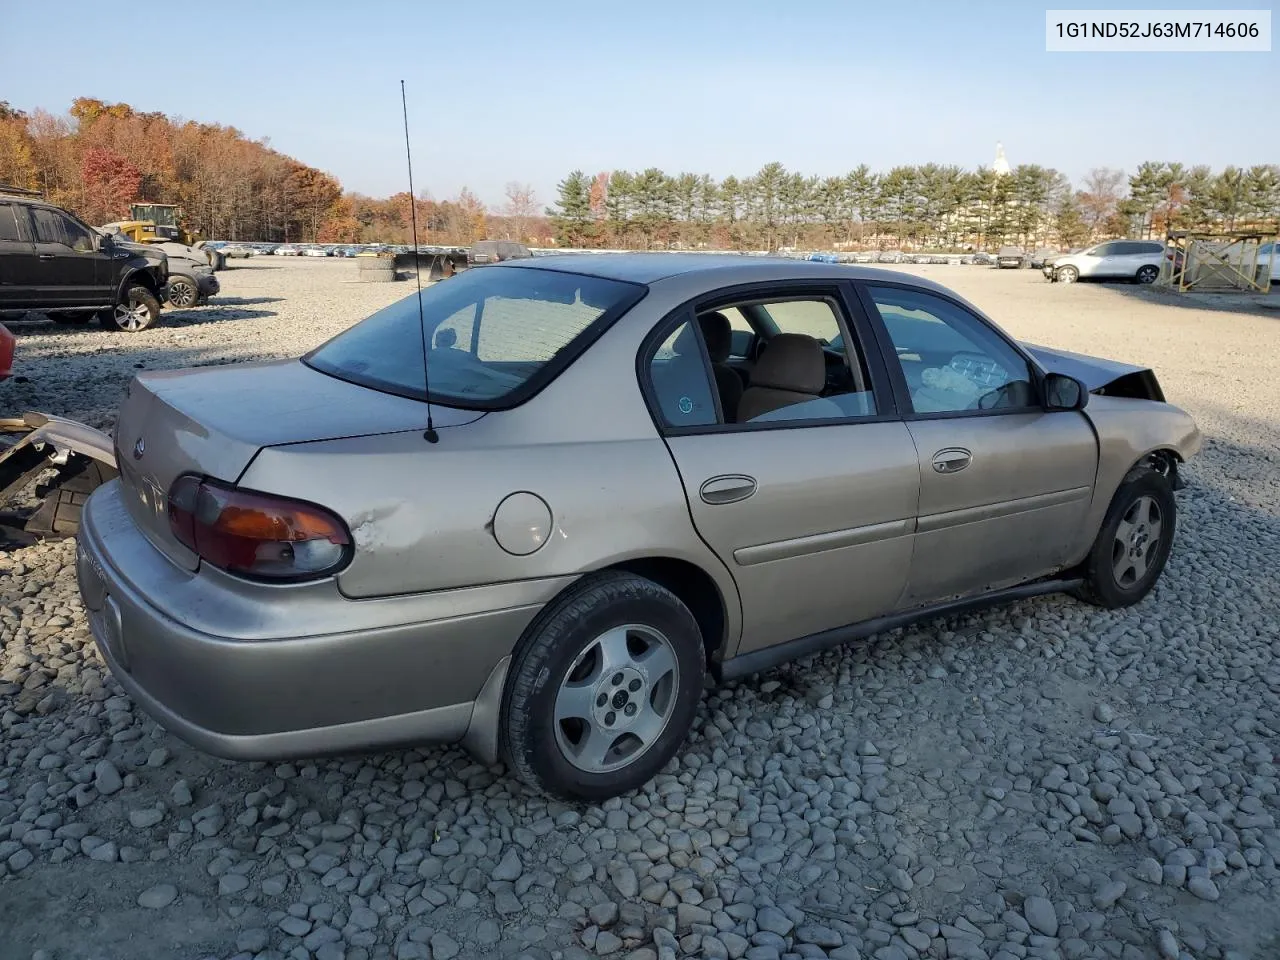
x: 1046, y: 780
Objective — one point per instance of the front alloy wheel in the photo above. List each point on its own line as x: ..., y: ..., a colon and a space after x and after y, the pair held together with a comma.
x: 1134, y: 542
x: 183, y: 293
x: 1067, y: 275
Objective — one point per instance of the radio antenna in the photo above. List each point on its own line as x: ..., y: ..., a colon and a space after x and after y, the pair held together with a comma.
x: 430, y: 436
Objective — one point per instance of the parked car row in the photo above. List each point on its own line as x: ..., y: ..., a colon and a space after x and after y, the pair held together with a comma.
x: 237, y: 250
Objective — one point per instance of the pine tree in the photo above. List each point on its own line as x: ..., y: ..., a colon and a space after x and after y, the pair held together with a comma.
x: 571, y: 216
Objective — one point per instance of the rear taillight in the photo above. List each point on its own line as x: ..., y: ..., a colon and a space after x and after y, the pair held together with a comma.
x: 256, y: 535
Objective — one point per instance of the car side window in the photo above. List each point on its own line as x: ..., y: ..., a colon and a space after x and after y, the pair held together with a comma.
x: 1105, y: 250
x: 48, y: 227
x: 809, y: 370
x: 79, y: 238
x: 8, y: 225
x: 678, y: 376
x: 952, y: 360
x: 53, y: 227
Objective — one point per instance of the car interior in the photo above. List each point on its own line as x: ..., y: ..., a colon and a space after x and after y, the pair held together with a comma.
x: 766, y: 369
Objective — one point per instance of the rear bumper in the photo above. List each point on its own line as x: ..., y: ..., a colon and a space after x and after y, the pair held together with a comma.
x: 389, y: 676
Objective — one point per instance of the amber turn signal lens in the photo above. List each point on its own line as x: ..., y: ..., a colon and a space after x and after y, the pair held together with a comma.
x: 257, y: 535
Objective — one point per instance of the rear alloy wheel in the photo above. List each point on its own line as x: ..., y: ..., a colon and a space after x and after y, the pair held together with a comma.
x: 136, y: 311
x: 1134, y: 543
x: 602, y: 689
x: 1066, y: 275
x: 183, y: 293
x: 1147, y: 274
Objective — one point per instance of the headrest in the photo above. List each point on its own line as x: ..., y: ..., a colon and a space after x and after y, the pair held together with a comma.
x: 792, y: 361
x: 717, y: 334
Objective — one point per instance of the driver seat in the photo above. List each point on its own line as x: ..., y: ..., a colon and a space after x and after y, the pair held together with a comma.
x: 791, y: 370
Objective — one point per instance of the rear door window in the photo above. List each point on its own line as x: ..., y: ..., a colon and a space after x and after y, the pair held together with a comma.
x: 8, y: 225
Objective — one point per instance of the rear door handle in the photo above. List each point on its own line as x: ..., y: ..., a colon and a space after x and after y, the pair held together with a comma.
x: 952, y: 460
x: 46, y: 256
x: 727, y: 489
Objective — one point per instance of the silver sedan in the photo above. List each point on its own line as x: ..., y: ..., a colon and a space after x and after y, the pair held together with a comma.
x: 609, y: 477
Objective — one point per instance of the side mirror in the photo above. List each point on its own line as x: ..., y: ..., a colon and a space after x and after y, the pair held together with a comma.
x: 105, y: 243
x: 1064, y: 393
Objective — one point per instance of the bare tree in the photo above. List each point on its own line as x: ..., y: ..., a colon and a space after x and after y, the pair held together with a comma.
x: 521, y: 208
x: 1100, y: 197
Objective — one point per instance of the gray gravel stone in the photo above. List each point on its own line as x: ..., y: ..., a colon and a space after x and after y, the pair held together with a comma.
x: 1041, y: 915
x: 157, y: 897
x: 106, y: 778
x: 1203, y: 887
x: 774, y: 920
x: 1107, y: 894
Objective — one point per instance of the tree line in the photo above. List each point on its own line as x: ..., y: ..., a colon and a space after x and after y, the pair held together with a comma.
x: 929, y: 206
x: 101, y: 157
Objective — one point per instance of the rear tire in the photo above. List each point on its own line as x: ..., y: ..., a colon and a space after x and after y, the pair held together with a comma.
x: 137, y: 310
x: 602, y: 689
x: 1147, y: 274
x: 1134, y: 542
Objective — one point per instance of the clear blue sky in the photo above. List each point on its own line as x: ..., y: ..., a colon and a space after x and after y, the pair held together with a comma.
x: 529, y: 90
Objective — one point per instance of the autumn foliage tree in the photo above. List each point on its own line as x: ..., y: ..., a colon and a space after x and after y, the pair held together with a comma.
x: 110, y: 184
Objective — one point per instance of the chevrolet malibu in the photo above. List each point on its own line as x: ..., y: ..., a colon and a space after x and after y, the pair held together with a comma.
x: 611, y: 477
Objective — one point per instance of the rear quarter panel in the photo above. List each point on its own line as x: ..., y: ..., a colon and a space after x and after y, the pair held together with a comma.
x: 422, y: 514
x: 1129, y: 430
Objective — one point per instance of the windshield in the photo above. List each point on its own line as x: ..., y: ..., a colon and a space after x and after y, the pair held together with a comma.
x: 497, y: 335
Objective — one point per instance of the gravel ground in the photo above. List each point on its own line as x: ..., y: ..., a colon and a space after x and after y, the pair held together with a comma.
x: 1043, y: 780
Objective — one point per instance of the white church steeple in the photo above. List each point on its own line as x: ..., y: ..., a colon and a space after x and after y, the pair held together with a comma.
x: 1000, y: 165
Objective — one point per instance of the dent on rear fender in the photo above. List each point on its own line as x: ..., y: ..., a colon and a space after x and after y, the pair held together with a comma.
x: 375, y: 529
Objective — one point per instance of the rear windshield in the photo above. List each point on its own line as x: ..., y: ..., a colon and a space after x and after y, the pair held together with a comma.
x: 496, y: 335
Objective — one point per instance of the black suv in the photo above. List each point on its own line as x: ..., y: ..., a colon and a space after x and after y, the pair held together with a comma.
x: 52, y: 262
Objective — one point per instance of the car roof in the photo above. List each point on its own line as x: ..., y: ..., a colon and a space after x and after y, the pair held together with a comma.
x: 653, y: 267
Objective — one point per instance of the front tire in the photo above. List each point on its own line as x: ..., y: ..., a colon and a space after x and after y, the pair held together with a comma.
x: 1066, y: 275
x: 182, y: 293
x: 1134, y: 543
x: 1147, y: 274
x: 137, y: 310
x: 602, y: 689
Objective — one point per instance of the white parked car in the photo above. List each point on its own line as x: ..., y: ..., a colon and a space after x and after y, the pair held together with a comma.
x: 287, y: 250
x: 1270, y: 252
x: 315, y: 252
x: 1137, y: 260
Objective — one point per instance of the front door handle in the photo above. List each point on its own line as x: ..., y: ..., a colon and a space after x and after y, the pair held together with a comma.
x: 727, y: 489
x: 952, y: 460
x: 46, y: 256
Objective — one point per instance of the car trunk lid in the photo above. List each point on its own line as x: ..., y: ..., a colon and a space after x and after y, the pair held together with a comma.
x: 213, y: 422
